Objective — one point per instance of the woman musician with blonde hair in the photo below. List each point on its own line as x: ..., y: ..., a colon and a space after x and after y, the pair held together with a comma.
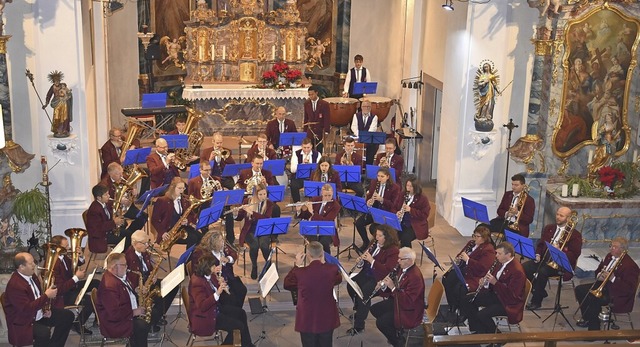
x: 169, y: 209
x: 322, y: 208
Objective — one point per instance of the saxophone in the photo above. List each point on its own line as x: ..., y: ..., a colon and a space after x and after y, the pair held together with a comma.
x: 146, y: 295
x: 522, y: 199
x: 176, y: 232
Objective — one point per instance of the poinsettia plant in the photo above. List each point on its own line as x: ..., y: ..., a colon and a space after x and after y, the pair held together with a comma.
x: 608, y: 176
x: 293, y: 75
x: 280, y: 68
x: 279, y: 74
x: 269, y: 76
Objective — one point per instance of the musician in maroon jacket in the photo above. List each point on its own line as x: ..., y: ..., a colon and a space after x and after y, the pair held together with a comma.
x: 305, y: 155
x: 382, y: 194
x: 414, y: 213
x: 316, y: 312
x: 219, y: 162
x: 509, y: 209
x: 261, y: 147
x: 255, y: 170
x: 206, y: 314
x: 391, y: 158
x: 316, y: 111
x: 322, y: 208
x: 101, y: 221
x: 254, y: 208
x: 213, y: 243
x: 181, y: 126
x: 279, y: 125
x: 24, y: 301
x: 325, y: 173
x: 379, y: 260
x: 70, y: 284
x: 621, y: 274
x: 116, y: 176
x: 402, y: 312
x: 474, y: 261
x: 501, y: 294
x: 161, y: 164
x: 169, y: 209
x: 356, y: 159
x: 555, y: 234
x: 117, y: 304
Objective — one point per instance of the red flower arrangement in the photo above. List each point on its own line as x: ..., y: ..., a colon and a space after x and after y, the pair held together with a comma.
x: 608, y: 176
x: 269, y: 76
x: 280, y: 71
x: 280, y: 68
x: 293, y: 75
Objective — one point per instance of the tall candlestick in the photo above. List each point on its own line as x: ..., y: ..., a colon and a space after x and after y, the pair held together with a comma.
x: 635, y: 155
x: 273, y: 52
x: 284, y: 52
x: 298, y: 52
x: 224, y: 50
x: 575, y: 190
x: 565, y: 190
x: 590, y: 156
x: 213, y: 52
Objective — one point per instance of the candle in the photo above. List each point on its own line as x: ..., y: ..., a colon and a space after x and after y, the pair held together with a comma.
x: 284, y: 52
x: 224, y: 51
x: 3, y: 142
x: 590, y: 156
x: 200, y: 53
x: 298, y: 52
x: 565, y: 190
x: 575, y: 189
x: 213, y: 52
x: 635, y: 154
x: 273, y: 52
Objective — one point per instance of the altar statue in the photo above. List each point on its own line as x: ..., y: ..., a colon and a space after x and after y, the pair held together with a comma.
x: 61, y: 101
x: 485, y: 91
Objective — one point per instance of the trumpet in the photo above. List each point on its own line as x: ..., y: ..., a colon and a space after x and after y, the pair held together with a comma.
x: 222, y: 153
x: 359, y: 261
x: 485, y: 280
x: 381, y: 286
x: 302, y: 203
x: 385, y: 161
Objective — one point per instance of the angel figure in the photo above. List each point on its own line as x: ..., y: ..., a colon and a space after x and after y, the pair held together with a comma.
x: 173, y: 49
x: 317, y: 48
x: 485, y: 88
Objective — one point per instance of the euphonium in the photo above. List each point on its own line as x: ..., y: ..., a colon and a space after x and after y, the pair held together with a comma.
x: 565, y: 237
x: 184, y: 155
x: 522, y: 199
x: 134, y: 131
x: 209, y: 185
x: 176, y: 232
x: 75, y: 236
x: 51, y: 254
x: 123, y: 189
x: 598, y: 291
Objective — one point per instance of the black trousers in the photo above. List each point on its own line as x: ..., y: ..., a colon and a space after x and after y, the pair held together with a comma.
x: 372, y: 150
x: 384, y: 312
x: 140, y: 333
x: 237, y: 293
x: 367, y: 284
x: 537, y: 286
x: 61, y: 321
x: 455, y: 291
x: 230, y: 318
x: 193, y: 237
x: 406, y: 235
x: 481, y: 321
x: 87, y: 307
x: 317, y: 339
x: 592, y: 305
x: 361, y: 226
x: 295, y: 186
x: 262, y: 243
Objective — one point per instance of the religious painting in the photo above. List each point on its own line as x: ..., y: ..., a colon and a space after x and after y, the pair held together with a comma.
x: 321, y: 27
x: 598, y: 63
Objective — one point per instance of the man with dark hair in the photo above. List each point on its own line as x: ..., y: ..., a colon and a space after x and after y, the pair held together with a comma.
x: 358, y: 73
x: 516, y: 205
x: 101, y: 222
x: 28, y: 322
x: 305, y: 155
x: 316, y: 118
x: 181, y: 126
x: 391, y: 158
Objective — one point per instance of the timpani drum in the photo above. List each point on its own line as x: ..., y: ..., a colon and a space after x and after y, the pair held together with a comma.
x: 341, y: 110
x: 380, y: 106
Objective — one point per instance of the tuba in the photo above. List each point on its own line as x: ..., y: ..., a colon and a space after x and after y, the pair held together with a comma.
x: 522, y: 199
x: 124, y: 189
x: 209, y: 185
x: 75, y: 236
x: 183, y: 155
x: 598, y: 291
x: 51, y: 254
x: 176, y: 232
x: 565, y: 237
x: 134, y: 131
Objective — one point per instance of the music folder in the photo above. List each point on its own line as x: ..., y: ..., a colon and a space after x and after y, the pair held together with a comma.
x: 304, y: 170
x: 275, y: 193
x: 275, y: 166
x: 268, y: 280
x: 475, y: 210
x: 351, y: 283
x: 372, y: 172
x: 172, y: 280
x: 176, y: 141
x: 456, y: 269
x: 85, y: 287
x: 348, y: 173
x: 272, y: 226
x: 136, y: 156
x: 317, y: 228
x: 292, y: 139
x: 228, y: 197
x: 231, y: 170
x: 372, y: 137
x: 146, y: 197
x: 431, y: 256
x: 560, y: 258
x: 184, y: 257
x: 119, y: 248
x: 313, y: 188
x: 352, y: 202
x: 365, y: 87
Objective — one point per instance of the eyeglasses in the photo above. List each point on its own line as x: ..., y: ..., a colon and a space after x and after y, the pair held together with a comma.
x: 125, y: 265
x: 143, y: 242
x: 404, y: 258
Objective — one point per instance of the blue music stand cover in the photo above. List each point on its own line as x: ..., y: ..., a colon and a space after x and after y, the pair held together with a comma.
x: 154, y: 100
x: 385, y: 217
x: 275, y: 193
x: 458, y: 272
x: 522, y: 245
x: 272, y: 226
x: 146, y: 197
x: 348, y: 173
x: 475, y: 210
x: 372, y: 137
x: 559, y: 257
x: 276, y: 166
x: 304, y: 170
x: 210, y: 215
x: 365, y: 87
x: 313, y: 188
x: 231, y: 170
x: 136, y: 156
x: 292, y: 139
x: 332, y: 260
x: 431, y: 256
x: 176, y: 141
x: 317, y: 228
x: 352, y: 202
x: 372, y: 172
x: 184, y: 257
x: 228, y: 197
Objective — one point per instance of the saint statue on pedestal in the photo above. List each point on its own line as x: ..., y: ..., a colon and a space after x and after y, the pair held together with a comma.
x: 62, y: 103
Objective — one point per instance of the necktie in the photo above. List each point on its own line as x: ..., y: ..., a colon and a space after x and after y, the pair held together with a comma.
x: 358, y: 75
x: 556, y: 235
x: 314, y: 106
x: 164, y: 160
x: 281, y: 126
x: 364, y: 120
x: 106, y: 211
x: 324, y: 178
x: 211, y: 285
x: 36, y: 291
x: 65, y: 264
x: 376, y: 251
x: 178, y: 206
x: 381, y: 192
x: 260, y: 206
x: 144, y: 265
x: 610, y: 265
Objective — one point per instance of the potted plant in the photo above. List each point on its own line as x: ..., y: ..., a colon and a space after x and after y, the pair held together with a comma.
x: 31, y: 209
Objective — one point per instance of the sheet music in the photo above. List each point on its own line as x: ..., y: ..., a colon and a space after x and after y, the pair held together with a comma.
x: 85, y: 287
x: 119, y: 248
x: 269, y: 280
x: 350, y: 282
x: 173, y: 279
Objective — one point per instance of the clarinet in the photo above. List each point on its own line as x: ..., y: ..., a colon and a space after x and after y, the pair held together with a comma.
x: 380, y: 286
x: 485, y: 280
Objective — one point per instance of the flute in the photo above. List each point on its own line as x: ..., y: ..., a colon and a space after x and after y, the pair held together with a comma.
x: 302, y: 203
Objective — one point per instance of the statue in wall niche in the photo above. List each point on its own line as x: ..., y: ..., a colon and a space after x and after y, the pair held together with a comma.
x: 485, y: 90
x: 173, y: 48
x: 61, y: 100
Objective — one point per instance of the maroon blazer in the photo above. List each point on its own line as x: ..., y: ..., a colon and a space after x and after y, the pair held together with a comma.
x: 271, y: 153
x: 321, y: 116
x: 408, y: 298
x: 385, y: 261
x: 227, y: 269
x: 98, y: 225
x: 114, y: 307
x: 202, y: 315
x: 273, y: 130
x: 250, y: 221
x: 397, y: 163
x: 246, y: 173
x: 419, y: 213
x: 392, y: 195
x: 527, y: 212
x: 317, y: 311
x: 158, y: 172
x: 21, y: 307
x: 195, y: 184
x: 205, y: 154
x: 134, y: 264
x: 356, y: 158
x: 333, y: 178
x: 109, y: 155
x: 163, y: 215
x: 510, y: 289
x: 329, y: 213
x: 622, y: 290
x: 63, y: 279
x: 480, y: 261
x: 572, y: 248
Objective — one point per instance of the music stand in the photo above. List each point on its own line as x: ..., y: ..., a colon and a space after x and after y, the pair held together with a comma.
x: 365, y: 88
x: 329, y: 259
x: 231, y: 170
x: 313, y: 188
x: 176, y: 141
x: 385, y: 217
x: 460, y: 277
x: 168, y: 284
x: 433, y: 259
x: 316, y: 228
x: 136, y: 156
x: 146, y: 197
x: 183, y: 259
x: 372, y: 172
x: 268, y: 278
x: 292, y: 139
x: 210, y: 215
x: 353, y: 203
x: 349, y: 173
x: 229, y: 197
x: 522, y: 245
x: 271, y: 227
x: 475, y: 210
x: 304, y: 170
x: 275, y: 193
x: 560, y: 258
x: 276, y: 166
x: 370, y: 138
